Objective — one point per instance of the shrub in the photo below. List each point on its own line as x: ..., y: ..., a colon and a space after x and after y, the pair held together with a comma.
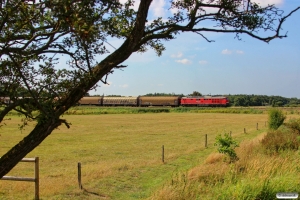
x: 280, y: 140
x: 276, y: 118
x: 226, y: 145
x: 294, y: 124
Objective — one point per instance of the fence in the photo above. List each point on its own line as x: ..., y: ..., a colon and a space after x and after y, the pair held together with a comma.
x: 35, y: 179
x: 162, y: 154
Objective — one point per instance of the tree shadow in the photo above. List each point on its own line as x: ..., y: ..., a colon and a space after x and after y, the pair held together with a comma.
x: 94, y: 193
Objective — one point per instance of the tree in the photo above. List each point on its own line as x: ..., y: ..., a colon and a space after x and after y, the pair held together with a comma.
x: 240, y: 101
x: 195, y: 93
x: 36, y: 35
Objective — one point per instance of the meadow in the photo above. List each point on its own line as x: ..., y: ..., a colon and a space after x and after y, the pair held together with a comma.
x: 120, y: 154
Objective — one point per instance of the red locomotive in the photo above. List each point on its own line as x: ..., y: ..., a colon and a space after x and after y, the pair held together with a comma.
x: 204, y: 101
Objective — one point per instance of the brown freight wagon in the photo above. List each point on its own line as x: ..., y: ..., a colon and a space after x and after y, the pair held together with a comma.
x: 159, y: 101
x: 120, y: 101
x: 90, y: 101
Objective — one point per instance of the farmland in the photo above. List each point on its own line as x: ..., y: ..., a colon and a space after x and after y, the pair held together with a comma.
x: 120, y: 154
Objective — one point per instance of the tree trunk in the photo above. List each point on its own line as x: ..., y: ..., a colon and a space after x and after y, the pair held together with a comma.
x: 18, y: 152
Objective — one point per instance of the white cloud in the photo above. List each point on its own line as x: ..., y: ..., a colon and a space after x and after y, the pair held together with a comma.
x: 178, y: 55
x: 184, y: 61
x: 203, y: 62
x: 268, y: 2
x: 226, y: 51
x: 239, y: 52
x: 158, y: 8
x: 124, y: 86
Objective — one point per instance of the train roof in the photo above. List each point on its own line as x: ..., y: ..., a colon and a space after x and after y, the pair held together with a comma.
x: 119, y: 98
x: 205, y: 97
x: 159, y: 97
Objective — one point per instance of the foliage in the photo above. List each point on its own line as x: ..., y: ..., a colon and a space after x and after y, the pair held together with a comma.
x: 261, y: 100
x: 294, y: 124
x: 226, y: 145
x: 49, y: 49
x: 286, y: 137
x: 195, y: 93
x: 277, y: 141
x: 276, y: 118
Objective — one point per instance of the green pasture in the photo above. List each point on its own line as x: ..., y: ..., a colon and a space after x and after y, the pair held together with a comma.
x: 120, y: 154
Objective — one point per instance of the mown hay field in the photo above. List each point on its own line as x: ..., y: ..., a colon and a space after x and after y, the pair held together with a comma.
x: 120, y: 154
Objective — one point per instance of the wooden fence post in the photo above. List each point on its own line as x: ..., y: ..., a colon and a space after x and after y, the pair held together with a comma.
x: 256, y: 126
x: 79, y: 175
x: 37, y: 178
x: 244, y: 130
x: 163, y: 154
x: 230, y: 133
x: 205, y: 140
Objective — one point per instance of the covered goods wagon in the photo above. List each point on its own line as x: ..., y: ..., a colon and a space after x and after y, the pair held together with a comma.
x: 90, y: 101
x: 120, y: 101
x: 159, y: 100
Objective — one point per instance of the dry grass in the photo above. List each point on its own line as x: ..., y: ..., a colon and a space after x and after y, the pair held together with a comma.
x: 214, y: 158
x: 255, y: 175
x: 121, y: 154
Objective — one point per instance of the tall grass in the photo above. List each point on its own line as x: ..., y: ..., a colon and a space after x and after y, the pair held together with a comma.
x: 87, y: 110
x: 256, y: 175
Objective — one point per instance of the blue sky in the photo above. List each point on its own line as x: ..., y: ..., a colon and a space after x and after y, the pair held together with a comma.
x: 226, y: 66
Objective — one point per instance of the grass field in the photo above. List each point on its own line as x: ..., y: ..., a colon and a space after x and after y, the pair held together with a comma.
x: 120, y: 154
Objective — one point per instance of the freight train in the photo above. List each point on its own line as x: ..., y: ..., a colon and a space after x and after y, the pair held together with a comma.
x: 146, y: 101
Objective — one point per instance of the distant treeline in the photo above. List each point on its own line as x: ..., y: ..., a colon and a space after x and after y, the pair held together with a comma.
x: 261, y: 100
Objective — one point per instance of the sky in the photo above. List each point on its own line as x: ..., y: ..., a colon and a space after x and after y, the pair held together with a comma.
x: 226, y: 66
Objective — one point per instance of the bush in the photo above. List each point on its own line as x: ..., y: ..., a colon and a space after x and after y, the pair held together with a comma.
x: 285, y: 138
x: 280, y: 140
x: 276, y: 118
x: 226, y: 145
x: 294, y: 124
